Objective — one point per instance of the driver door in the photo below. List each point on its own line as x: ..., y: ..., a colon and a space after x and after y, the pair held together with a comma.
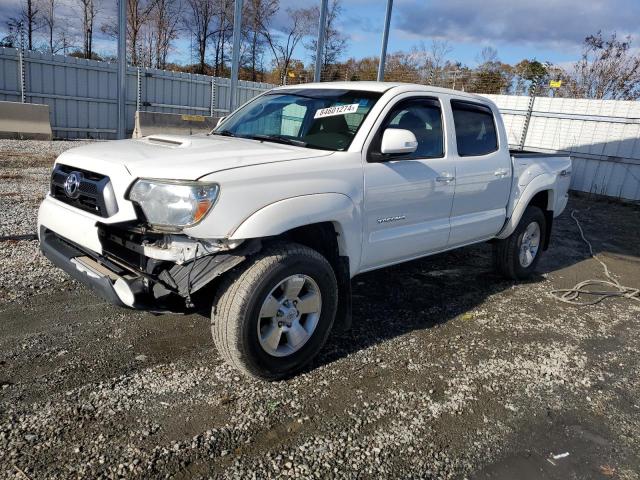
x: 408, y: 198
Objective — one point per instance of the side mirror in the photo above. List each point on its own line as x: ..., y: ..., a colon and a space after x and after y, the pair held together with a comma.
x: 396, y: 140
x: 220, y: 120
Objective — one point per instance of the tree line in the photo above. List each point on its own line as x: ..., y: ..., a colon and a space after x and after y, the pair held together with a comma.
x: 608, y: 66
x: 154, y: 28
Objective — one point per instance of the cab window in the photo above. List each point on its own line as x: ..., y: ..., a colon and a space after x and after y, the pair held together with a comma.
x: 475, y: 128
x: 422, y: 117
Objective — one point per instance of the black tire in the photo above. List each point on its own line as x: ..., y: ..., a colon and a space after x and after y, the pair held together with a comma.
x: 506, y: 252
x: 236, y: 309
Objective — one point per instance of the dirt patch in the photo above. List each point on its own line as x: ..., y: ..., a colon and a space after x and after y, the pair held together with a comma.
x: 10, y: 159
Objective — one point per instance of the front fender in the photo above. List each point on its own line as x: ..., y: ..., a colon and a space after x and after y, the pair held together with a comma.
x: 290, y: 213
x: 522, y: 198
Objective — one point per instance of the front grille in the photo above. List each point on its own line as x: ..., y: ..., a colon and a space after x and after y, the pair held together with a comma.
x: 94, y: 191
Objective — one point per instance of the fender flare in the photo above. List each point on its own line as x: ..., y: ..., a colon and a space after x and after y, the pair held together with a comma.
x: 293, y: 212
x: 543, y: 182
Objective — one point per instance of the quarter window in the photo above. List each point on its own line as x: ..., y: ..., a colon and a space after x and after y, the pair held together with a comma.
x: 475, y: 129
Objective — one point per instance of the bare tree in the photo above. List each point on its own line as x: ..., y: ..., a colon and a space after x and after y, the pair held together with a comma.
x: 197, y: 19
x: 165, y: 19
x: 138, y: 14
x: 28, y: 17
x: 492, y: 76
x: 431, y: 61
x: 257, y: 14
x: 49, y: 20
x: 222, y: 33
x: 607, y: 69
x: 335, y: 42
x: 89, y: 13
x: 283, y: 43
x: 140, y: 29
x: 487, y: 56
x: 439, y: 51
x: 30, y: 13
x: 65, y: 41
x: 12, y: 39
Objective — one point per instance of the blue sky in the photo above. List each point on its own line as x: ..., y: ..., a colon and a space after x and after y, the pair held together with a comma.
x: 545, y: 29
x: 550, y: 30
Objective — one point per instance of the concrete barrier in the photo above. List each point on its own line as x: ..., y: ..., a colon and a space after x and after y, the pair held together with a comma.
x: 152, y: 123
x: 25, y: 121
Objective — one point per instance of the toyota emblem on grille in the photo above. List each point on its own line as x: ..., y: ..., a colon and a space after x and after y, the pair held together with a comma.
x: 72, y: 185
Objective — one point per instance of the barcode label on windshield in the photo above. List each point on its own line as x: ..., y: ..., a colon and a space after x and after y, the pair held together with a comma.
x: 337, y: 110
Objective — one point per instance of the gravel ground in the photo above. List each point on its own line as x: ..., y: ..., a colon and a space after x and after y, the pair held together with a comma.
x: 448, y: 372
x: 25, y: 168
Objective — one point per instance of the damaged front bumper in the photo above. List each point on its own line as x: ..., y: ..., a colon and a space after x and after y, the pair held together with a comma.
x: 145, y: 270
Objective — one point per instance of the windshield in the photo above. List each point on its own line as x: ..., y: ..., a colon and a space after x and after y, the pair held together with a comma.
x: 314, y: 118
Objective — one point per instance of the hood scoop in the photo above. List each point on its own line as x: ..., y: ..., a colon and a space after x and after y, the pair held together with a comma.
x: 166, y: 141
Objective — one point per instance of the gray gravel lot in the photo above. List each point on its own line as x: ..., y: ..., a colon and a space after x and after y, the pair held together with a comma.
x: 448, y: 372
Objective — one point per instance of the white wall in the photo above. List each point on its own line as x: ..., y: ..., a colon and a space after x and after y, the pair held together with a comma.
x: 603, y: 136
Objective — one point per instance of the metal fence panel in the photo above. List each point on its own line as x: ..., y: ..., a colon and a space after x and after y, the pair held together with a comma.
x: 603, y: 137
x: 82, y: 94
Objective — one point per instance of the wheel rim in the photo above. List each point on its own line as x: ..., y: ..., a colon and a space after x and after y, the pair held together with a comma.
x: 530, y: 244
x: 289, y: 315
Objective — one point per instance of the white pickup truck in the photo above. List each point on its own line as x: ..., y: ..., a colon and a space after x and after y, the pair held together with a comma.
x: 265, y: 221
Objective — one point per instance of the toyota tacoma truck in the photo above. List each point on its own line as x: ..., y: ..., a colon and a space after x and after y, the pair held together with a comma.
x: 265, y: 221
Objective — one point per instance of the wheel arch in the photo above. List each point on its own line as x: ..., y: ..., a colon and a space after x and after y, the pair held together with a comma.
x: 545, y: 200
x: 299, y: 215
x: 328, y: 223
x: 540, y: 193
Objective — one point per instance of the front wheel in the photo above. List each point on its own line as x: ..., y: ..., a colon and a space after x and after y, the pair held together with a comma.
x: 273, y: 314
x: 517, y: 256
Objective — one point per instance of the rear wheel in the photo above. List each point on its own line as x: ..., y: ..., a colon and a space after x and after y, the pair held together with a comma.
x: 517, y: 256
x: 274, y: 314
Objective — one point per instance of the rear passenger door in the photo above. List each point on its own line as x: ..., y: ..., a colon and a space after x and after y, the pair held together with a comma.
x: 483, y: 174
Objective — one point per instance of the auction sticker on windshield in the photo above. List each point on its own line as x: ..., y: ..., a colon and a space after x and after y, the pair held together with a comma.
x: 337, y: 110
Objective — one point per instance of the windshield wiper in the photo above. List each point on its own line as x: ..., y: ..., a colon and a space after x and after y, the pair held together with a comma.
x: 277, y: 139
x: 225, y: 133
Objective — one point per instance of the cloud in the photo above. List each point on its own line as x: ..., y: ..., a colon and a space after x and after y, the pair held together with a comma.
x: 544, y: 22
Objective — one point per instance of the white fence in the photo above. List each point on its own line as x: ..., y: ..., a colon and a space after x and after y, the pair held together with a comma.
x: 82, y: 94
x: 603, y: 137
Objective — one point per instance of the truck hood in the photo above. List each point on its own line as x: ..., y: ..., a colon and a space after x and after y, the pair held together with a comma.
x: 181, y: 157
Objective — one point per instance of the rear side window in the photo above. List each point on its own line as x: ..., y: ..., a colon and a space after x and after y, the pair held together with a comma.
x: 475, y: 128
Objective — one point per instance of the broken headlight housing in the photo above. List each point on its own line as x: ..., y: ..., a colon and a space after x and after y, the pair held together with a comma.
x: 174, y: 204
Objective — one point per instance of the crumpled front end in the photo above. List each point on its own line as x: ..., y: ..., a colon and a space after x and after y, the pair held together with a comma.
x: 127, y: 262
x: 144, y: 270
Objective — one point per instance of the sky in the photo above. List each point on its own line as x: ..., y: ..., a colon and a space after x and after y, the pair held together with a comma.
x: 548, y: 30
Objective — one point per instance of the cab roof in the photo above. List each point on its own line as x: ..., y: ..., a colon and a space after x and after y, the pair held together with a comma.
x: 381, y: 87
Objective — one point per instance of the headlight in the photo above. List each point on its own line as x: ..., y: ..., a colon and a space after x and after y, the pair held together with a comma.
x: 174, y: 204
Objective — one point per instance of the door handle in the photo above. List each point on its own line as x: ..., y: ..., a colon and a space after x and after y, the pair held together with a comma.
x: 445, y: 178
x: 502, y: 172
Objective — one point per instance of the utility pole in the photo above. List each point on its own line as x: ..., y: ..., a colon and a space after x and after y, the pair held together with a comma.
x: 385, y: 38
x: 235, y: 55
x: 320, y: 43
x: 122, y: 68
